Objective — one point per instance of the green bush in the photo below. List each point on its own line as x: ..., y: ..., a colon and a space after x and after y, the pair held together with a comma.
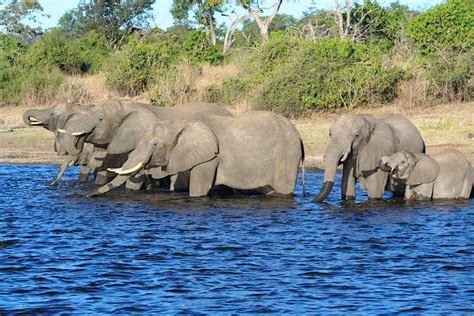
x: 451, y: 79
x: 133, y: 69
x: 11, y: 49
x: 19, y: 84
x: 83, y: 55
x: 298, y: 75
x: 197, y: 49
x: 22, y: 82
x: 445, y: 27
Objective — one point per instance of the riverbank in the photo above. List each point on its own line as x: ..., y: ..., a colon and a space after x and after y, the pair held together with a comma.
x: 443, y: 126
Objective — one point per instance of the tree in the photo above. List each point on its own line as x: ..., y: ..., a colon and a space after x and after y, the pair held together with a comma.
x: 204, y: 10
x: 253, y: 8
x: 115, y: 19
x: 14, y: 15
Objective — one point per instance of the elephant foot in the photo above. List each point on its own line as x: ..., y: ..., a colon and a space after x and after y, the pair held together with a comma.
x: 348, y: 197
x: 83, y: 177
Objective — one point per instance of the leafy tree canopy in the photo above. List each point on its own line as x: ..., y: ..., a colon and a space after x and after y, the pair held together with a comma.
x: 114, y: 19
x: 16, y: 14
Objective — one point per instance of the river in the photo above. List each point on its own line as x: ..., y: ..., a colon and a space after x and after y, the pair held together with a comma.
x: 158, y: 252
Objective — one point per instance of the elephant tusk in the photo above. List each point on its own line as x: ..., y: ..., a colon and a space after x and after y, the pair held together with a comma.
x: 126, y: 171
x: 36, y: 123
x: 33, y: 119
x: 391, y: 169
x: 71, y: 163
x: 61, y: 131
x: 78, y: 133
x: 344, y: 157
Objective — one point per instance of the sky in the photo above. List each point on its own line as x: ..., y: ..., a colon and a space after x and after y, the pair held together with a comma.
x: 163, y: 19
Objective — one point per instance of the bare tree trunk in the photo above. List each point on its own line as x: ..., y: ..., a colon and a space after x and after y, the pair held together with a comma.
x: 264, y: 24
x: 339, y: 20
x: 229, y: 34
x: 210, y: 22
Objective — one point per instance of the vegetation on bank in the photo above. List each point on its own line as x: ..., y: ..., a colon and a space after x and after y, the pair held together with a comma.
x: 372, y: 55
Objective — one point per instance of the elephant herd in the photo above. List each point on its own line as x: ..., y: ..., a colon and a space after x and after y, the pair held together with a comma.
x: 201, y: 147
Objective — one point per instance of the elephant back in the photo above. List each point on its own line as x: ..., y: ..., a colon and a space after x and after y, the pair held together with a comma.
x: 409, y: 138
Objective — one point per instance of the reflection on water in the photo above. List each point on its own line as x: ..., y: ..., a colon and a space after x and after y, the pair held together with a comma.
x: 164, y: 252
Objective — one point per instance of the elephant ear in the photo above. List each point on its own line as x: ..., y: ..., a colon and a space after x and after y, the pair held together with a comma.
x: 426, y: 170
x: 382, y: 142
x: 195, y: 144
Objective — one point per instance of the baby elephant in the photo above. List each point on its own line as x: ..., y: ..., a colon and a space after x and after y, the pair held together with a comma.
x: 444, y: 175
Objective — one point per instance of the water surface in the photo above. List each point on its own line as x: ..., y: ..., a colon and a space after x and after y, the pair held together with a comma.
x: 163, y: 252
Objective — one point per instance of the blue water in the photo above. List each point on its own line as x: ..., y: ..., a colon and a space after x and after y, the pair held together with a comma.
x: 163, y: 252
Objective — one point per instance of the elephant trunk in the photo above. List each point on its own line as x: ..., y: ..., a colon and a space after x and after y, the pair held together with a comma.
x: 35, y: 117
x: 74, y: 144
x: 384, y: 164
x: 135, y: 162
x: 137, y: 159
x: 332, y: 161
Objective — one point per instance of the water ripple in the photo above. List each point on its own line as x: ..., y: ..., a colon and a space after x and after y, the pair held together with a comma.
x: 160, y: 252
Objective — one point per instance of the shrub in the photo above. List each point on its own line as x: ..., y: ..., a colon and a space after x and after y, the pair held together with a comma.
x: 11, y: 49
x: 451, y: 78
x: 197, y: 49
x: 444, y: 27
x: 133, y: 69
x: 297, y: 76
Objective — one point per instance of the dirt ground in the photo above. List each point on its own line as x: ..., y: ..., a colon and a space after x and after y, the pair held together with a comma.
x: 450, y: 125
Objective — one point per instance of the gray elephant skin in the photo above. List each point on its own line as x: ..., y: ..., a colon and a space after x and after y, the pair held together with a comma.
x: 358, y: 142
x: 259, y: 151
x: 119, y: 127
x: 55, y: 118
x: 444, y: 175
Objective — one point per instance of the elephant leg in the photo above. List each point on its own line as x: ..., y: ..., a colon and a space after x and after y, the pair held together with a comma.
x: 136, y: 182
x: 421, y: 192
x: 201, y: 178
x: 376, y: 182
x: 84, y: 173
x: 180, y: 182
x: 348, y: 180
x: 101, y: 177
x: 397, y: 187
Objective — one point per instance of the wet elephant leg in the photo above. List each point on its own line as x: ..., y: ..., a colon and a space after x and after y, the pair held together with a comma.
x: 375, y: 182
x: 83, y: 173
x: 201, y: 178
x: 180, y: 182
x: 110, y: 161
x: 101, y: 177
x: 348, y: 180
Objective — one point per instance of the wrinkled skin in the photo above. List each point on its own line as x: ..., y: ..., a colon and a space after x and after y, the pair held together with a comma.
x: 257, y: 151
x: 119, y: 128
x: 358, y: 142
x: 53, y: 119
x: 444, y: 175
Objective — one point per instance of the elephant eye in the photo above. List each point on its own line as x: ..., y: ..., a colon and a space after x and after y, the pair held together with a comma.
x: 403, y: 161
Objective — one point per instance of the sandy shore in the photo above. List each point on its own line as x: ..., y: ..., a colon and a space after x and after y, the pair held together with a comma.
x: 450, y: 125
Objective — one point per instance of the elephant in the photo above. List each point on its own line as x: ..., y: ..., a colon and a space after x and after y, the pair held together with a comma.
x: 256, y: 151
x: 55, y: 118
x: 358, y: 141
x: 444, y: 175
x: 119, y: 127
